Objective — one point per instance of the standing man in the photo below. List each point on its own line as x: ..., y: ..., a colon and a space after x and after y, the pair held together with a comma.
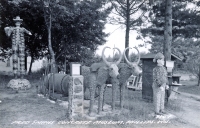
x: 160, y: 81
x: 18, y: 45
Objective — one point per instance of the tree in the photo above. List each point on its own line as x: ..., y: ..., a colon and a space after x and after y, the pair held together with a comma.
x: 36, y: 45
x: 82, y: 27
x: 32, y: 20
x: 185, y: 25
x: 50, y: 9
x: 193, y: 66
x: 6, y: 19
x: 168, y: 30
x: 192, y: 55
x: 77, y: 27
x: 185, y: 29
x: 133, y: 56
x: 128, y: 13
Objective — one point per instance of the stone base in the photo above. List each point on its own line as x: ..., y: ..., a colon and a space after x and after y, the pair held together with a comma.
x: 19, y: 84
x: 165, y: 117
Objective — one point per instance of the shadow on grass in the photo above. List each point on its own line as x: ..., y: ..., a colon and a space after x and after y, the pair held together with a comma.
x: 134, y: 106
x: 4, y: 81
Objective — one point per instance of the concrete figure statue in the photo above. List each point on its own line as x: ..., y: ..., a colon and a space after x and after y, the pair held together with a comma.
x: 18, y: 45
x: 160, y: 81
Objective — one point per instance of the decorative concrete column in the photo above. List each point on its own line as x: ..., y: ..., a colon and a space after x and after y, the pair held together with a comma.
x: 76, y: 92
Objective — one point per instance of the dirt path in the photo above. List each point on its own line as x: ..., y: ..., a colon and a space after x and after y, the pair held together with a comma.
x: 191, y: 109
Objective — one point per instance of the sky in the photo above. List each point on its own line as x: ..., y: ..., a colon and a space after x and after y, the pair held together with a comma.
x: 117, y: 39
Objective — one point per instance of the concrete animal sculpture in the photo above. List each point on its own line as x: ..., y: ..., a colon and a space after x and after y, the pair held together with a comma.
x: 126, y: 70
x: 100, y: 73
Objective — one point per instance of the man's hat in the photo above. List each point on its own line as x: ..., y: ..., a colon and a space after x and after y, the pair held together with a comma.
x: 158, y: 56
x: 17, y: 19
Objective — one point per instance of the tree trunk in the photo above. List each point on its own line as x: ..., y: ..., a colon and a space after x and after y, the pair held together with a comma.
x: 29, y: 71
x: 25, y: 61
x: 168, y: 30
x: 49, y: 41
x: 127, y: 27
x: 52, y: 55
x: 65, y: 64
x: 199, y: 76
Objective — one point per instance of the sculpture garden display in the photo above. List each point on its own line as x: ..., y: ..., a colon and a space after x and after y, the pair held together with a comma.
x: 95, y: 77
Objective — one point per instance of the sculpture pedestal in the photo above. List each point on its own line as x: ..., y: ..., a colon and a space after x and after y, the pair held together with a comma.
x: 19, y: 84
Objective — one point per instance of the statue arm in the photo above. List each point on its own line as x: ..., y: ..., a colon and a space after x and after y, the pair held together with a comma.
x: 26, y: 31
x: 8, y: 30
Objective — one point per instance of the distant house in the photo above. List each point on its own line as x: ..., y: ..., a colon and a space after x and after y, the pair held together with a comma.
x: 6, y: 66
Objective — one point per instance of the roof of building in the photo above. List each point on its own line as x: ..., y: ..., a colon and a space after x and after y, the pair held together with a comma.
x: 152, y: 55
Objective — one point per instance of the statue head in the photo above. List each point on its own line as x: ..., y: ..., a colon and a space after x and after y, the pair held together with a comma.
x: 135, y: 70
x: 18, y: 21
x: 112, y: 66
x: 159, y: 58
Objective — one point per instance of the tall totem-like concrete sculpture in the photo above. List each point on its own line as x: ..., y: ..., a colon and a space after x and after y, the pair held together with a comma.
x: 18, y: 50
x: 18, y: 45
